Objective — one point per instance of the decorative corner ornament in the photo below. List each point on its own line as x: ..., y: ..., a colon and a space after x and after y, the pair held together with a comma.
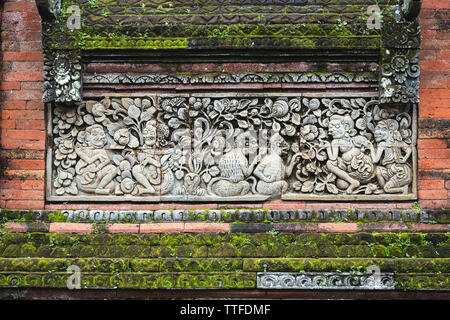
x: 62, y: 78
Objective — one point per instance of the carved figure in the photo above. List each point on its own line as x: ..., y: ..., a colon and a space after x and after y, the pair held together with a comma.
x: 394, y: 175
x: 235, y: 169
x: 146, y: 171
x: 345, y: 158
x: 94, y: 169
x: 271, y: 169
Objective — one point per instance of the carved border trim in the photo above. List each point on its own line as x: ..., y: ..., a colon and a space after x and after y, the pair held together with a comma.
x: 324, y: 280
x: 220, y: 77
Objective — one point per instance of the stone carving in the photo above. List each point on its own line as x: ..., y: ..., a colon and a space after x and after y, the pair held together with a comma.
x: 324, y: 280
x: 62, y: 78
x: 400, y: 76
x: 210, y: 148
x: 204, y: 78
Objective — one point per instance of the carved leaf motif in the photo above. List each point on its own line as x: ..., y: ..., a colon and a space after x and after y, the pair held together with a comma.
x: 332, y: 188
x: 242, y: 124
x: 127, y: 102
x: 128, y: 121
x: 308, y: 186
x: 320, y: 187
x: 174, y: 123
x: 296, y: 119
x: 134, y: 112
x: 88, y: 119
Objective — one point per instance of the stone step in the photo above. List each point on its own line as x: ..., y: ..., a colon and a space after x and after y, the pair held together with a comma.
x: 186, y: 280
x: 222, y: 245
x: 135, y: 265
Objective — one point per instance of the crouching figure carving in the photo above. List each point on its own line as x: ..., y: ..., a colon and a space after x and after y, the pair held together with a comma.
x: 95, y: 172
x: 393, y: 174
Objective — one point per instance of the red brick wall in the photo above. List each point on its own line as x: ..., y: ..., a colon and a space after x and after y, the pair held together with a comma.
x: 22, y: 117
x: 22, y: 112
x: 434, y: 107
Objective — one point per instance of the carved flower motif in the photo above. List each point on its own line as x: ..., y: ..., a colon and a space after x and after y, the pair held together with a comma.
x: 309, y: 132
x: 400, y: 64
x: 62, y: 68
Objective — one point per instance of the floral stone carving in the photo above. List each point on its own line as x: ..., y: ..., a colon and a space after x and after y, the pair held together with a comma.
x: 219, y: 148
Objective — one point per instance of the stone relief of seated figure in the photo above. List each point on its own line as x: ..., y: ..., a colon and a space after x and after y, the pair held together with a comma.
x: 271, y: 170
x: 95, y: 172
x: 345, y: 158
x: 393, y: 174
x: 235, y: 168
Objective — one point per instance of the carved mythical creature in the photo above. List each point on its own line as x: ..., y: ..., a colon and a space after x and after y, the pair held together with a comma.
x: 95, y: 172
x: 345, y: 158
x: 394, y: 175
x: 271, y: 169
x: 235, y: 169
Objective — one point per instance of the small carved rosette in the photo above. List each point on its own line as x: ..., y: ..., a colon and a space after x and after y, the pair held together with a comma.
x: 216, y: 148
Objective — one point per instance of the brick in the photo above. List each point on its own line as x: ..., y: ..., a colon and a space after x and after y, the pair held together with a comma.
x: 14, y: 104
x: 443, y: 55
x: 434, y: 65
x: 26, y: 164
x: 24, y: 6
x: 30, y: 124
x: 22, y: 95
x: 15, y: 227
x: 384, y: 227
x: 6, y: 143
x: 447, y: 184
x: 432, y: 143
x: 8, y: 194
x: 123, y: 228
x: 32, y: 185
x: 10, y: 85
x: 67, y: 227
x: 24, y: 204
x: 433, y: 194
x: 171, y: 227
x: 431, y: 184
x: 434, y: 204
x: 34, y: 104
x: 435, y: 4
x: 23, y: 76
x: 25, y: 134
x: 22, y: 114
x: 425, y: 227
x: 434, y: 153
x: 24, y: 174
x: 7, y: 124
x: 337, y: 227
x: 434, y: 164
x: 26, y: 66
x: 434, y: 93
x: 206, y: 227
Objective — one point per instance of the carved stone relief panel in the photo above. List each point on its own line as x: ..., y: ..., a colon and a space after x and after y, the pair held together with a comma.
x: 231, y: 147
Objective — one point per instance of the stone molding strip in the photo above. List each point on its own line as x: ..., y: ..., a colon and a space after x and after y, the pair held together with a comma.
x: 324, y: 280
x: 230, y: 215
x: 194, y: 227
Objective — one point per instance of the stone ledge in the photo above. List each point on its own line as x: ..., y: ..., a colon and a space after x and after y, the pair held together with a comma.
x: 195, y: 227
x: 185, y: 280
x: 231, y: 215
